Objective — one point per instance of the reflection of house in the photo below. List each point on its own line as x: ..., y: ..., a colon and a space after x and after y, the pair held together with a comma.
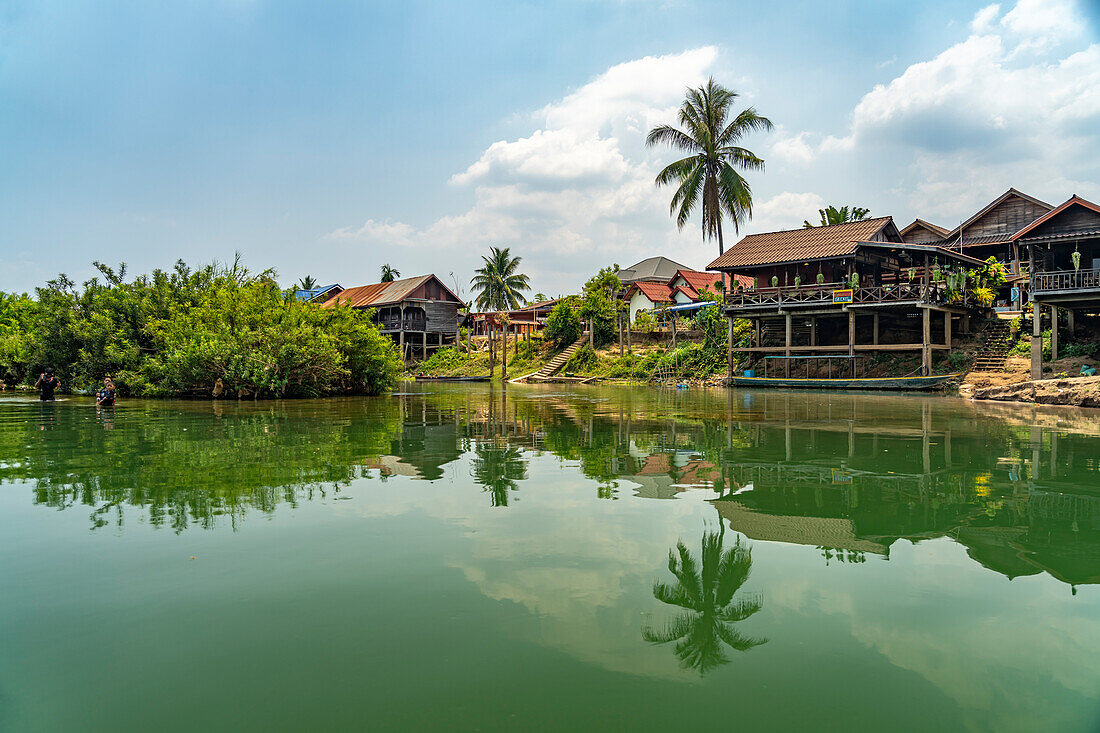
x: 833, y: 532
x: 419, y: 313
x: 664, y: 475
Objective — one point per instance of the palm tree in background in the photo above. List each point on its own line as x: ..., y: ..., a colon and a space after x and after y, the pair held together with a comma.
x: 498, y: 467
x: 307, y: 283
x: 833, y: 215
x: 706, y: 593
x: 708, y: 177
x: 389, y: 274
x: 499, y: 287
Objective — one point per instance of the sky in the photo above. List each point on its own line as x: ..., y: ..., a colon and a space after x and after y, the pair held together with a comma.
x: 326, y: 139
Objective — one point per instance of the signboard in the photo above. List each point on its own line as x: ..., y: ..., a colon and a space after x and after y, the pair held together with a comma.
x: 842, y: 296
x: 1015, y: 295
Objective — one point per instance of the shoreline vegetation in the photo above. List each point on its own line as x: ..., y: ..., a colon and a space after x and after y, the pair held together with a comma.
x: 216, y: 331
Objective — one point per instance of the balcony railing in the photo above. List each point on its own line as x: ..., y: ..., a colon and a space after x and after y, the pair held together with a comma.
x: 823, y: 294
x: 1065, y: 280
x: 396, y: 324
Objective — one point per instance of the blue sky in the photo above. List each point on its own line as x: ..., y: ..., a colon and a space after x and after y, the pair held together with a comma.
x: 328, y: 138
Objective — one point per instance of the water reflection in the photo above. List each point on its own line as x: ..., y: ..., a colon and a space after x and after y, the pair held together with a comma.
x: 846, y: 474
x: 706, y: 590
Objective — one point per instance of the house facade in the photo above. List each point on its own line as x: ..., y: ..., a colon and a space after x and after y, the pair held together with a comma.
x: 420, y: 314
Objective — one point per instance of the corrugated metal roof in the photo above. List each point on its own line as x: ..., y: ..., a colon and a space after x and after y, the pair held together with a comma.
x: 1074, y: 200
x: 808, y: 243
x: 370, y: 296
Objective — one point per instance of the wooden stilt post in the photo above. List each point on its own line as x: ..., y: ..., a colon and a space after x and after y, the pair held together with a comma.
x: 1036, y: 340
x: 1069, y: 322
x: 926, y: 343
x: 947, y: 328
x: 851, y: 333
x: 874, y: 317
x: 620, y: 319
x: 673, y: 330
x: 787, y: 339
x: 813, y: 330
x: 729, y: 347
x: 1054, y: 333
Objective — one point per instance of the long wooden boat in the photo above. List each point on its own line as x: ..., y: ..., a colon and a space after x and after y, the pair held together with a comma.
x: 894, y: 383
x: 427, y: 378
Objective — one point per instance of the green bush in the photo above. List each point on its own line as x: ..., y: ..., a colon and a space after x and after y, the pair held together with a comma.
x: 1079, y: 348
x: 957, y: 359
x: 563, y: 325
x: 583, y: 358
x: 644, y: 322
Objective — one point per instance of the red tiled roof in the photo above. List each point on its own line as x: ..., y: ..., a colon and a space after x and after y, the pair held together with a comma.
x: 698, y: 280
x: 800, y: 244
x: 687, y: 290
x: 656, y: 292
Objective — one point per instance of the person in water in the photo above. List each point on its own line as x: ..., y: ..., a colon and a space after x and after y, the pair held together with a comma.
x: 46, y: 385
x: 106, y: 396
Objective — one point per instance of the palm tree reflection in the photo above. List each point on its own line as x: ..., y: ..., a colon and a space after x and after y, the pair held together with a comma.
x: 497, y: 467
x: 706, y: 593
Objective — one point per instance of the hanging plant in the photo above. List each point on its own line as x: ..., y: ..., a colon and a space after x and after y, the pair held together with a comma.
x: 797, y: 280
x: 820, y: 278
x: 936, y: 272
x: 911, y: 273
x: 775, y: 281
x: 1076, y: 257
x: 854, y: 280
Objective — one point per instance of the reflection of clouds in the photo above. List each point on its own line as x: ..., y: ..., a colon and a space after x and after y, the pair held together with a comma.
x: 1009, y: 653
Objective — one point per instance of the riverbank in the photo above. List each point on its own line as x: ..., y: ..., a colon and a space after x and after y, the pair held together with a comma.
x: 1077, y: 391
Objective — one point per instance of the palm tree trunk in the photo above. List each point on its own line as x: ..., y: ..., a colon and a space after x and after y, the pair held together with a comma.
x: 504, y: 353
x: 722, y: 251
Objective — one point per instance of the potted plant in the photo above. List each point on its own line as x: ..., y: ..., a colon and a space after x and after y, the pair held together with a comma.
x: 797, y: 280
x: 820, y: 278
x: 775, y: 281
x: 1076, y: 257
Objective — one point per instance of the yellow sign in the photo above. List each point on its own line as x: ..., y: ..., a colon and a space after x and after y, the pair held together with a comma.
x: 842, y: 296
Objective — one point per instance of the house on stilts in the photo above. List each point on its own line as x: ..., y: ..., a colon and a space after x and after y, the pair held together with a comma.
x: 845, y: 290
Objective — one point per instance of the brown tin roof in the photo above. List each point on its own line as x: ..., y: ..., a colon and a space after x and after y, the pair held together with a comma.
x: 808, y: 243
x: 1074, y: 199
x: 370, y: 296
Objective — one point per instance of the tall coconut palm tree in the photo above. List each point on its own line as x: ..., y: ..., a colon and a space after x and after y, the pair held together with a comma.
x: 706, y: 593
x: 832, y: 215
x: 499, y: 286
x: 708, y: 177
x: 389, y: 274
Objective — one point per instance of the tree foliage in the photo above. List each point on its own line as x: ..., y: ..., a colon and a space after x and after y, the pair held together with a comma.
x: 498, y: 282
x: 708, y: 177
x: 178, y: 332
x: 833, y: 215
x: 563, y: 325
x: 601, y: 305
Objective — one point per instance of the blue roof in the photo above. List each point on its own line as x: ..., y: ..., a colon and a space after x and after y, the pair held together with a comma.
x: 315, y: 292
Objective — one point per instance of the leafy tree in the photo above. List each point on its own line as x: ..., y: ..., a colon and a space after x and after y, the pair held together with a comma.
x: 540, y: 297
x: 307, y: 283
x: 389, y: 274
x: 498, y: 283
x: 833, y: 215
x: 601, y: 305
x: 563, y: 325
x: 708, y: 177
x: 706, y: 592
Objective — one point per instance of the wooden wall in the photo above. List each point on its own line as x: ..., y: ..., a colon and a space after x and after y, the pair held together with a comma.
x: 1006, y: 218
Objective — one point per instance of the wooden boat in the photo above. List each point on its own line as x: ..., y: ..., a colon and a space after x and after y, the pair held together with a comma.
x: 428, y: 378
x: 893, y: 383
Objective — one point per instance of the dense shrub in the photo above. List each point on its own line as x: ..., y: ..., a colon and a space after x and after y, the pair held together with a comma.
x: 563, y: 325
x: 178, y: 332
x: 644, y: 322
x: 582, y: 359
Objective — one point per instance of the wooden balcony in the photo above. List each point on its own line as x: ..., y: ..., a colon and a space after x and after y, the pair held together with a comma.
x: 822, y: 295
x: 396, y: 324
x: 1065, y: 281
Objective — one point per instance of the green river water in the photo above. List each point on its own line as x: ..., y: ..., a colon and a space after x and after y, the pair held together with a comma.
x: 471, y: 558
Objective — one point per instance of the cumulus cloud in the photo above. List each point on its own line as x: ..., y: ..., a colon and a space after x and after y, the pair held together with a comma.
x: 785, y: 211
x: 580, y: 184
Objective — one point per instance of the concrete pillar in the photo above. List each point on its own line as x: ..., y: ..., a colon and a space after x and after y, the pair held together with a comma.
x: 947, y: 329
x: 875, y: 317
x: 1054, y: 333
x: 813, y: 331
x: 1069, y: 322
x: 787, y: 340
x: 1036, y: 341
x: 926, y: 343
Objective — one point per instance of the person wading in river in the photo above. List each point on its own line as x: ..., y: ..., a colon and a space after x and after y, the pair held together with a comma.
x: 106, y: 396
x: 46, y: 385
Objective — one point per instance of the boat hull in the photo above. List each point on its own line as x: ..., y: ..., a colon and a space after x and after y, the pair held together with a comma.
x: 882, y: 383
x: 452, y: 379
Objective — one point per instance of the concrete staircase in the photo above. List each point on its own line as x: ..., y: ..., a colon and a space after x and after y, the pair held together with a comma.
x: 994, y: 352
x: 551, y: 367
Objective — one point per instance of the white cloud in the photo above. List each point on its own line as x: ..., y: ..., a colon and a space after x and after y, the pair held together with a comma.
x: 581, y: 184
x: 794, y: 148
x: 1044, y: 22
x: 785, y: 211
x: 985, y: 18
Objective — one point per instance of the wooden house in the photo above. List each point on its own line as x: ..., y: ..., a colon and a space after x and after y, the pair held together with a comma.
x: 1064, y: 254
x: 922, y: 232
x: 419, y: 313
x: 844, y: 289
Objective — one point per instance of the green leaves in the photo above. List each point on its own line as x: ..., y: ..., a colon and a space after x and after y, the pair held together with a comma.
x: 498, y: 283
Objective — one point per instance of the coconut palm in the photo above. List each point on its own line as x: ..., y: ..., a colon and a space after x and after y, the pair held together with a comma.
x: 708, y: 177
x: 497, y: 467
x: 706, y: 593
x: 307, y: 283
x: 833, y: 215
x: 498, y: 284
x: 389, y: 274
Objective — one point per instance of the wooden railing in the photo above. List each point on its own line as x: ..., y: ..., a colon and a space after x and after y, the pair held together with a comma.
x: 823, y: 294
x: 395, y: 324
x: 1065, y: 280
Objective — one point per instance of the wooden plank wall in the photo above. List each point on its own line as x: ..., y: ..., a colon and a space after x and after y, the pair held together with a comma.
x: 1007, y: 218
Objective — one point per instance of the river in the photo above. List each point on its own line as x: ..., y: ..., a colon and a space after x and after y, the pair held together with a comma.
x: 460, y: 557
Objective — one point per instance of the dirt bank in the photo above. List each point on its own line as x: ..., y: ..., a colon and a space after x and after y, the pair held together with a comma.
x: 1080, y: 391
